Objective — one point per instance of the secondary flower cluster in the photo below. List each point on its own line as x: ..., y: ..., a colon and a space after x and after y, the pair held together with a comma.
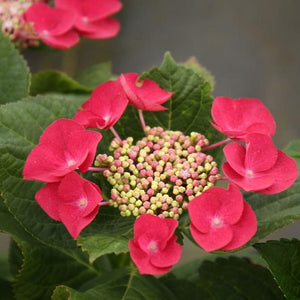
x: 158, y: 177
x: 28, y: 21
x: 14, y: 26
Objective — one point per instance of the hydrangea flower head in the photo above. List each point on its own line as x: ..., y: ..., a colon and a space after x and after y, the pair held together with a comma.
x: 239, y: 117
x: 259, y: 166
x: 64, y: 146
x: 221, y: 219
x: 74, y: 201
x: 154, y: 249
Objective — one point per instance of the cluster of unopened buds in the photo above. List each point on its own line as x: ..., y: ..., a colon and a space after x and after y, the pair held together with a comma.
x: 26, y: 22
x: 161, y: 176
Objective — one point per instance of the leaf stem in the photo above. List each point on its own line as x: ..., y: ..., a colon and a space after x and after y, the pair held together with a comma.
x: 216, y: 144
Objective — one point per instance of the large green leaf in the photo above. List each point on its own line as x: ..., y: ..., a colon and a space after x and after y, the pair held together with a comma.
x: 237, y: 278
x: 95, y: 75
x: 283, y: 258
x: 109, y: 233
x: 122, y: 284
x: 14, y: 73
x: 57, y: 82
x: 44, y: 268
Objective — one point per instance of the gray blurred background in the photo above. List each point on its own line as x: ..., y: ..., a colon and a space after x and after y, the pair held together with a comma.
x: 251, y: 47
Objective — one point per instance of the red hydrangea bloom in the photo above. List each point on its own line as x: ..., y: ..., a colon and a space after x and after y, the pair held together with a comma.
x: 53, y: 25
x: 239, y: 117
x: 260, y: 166
x: 154, y: 249
x: 144, y: 94
x: 93, y: 16
x: 221, y: 219
x: 64, y: 146
x: 104, y: 108
x: 74, y: 201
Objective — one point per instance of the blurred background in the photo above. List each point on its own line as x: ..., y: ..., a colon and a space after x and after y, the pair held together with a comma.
x: 251, y: 47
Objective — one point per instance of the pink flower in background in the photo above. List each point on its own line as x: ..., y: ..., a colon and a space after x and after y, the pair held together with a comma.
x: 54, y: 26
x: 93, y: 16
x: 144, y: 94
x: 260, y: 166
x: 104, y: 108
x: 239, y: 117
x: 221, y: 219
x: 64, y: 146
x: 154, y: 249
x: 74, y: 201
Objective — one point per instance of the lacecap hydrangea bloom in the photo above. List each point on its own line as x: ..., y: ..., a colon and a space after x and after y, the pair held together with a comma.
x: 162, y: 176
x: 60, y: 25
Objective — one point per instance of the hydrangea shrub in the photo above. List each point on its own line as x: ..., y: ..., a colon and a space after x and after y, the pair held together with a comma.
x: 101, y: 187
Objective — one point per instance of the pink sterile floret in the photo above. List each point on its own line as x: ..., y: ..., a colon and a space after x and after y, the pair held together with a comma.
x: 154, y: 249
x: 239, y: 117
x: 104, y: 108
x: 221, y: 219
x: 64, y: 146
x: 260, y: 166
x: 74, y: 201
x: 53, y: 25
x: 93, y: 16
x: 144, y: 94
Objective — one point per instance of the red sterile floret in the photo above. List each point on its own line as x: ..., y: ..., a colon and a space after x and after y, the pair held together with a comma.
x: 93, y: 17
x: 74, y: 201
x: 154, y: 249
x: 64, y: 146
x: 260, y: 166
x: 144, y: 94
x: 239, y: 117
x: 53, y: 25
x: 104, y: 108
x: 221, y: 219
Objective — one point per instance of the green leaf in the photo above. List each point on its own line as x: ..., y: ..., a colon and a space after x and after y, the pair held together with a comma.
x: 188, y: 109
x: 274, y: 211
x: 57, y: 82
x: 14, y: 73
x: 283, y: 258
x: 189, y: 271
x: 95, y: 75
x: 293, y: 150
x: 109, y: 233
x: 44, y: 268
x: 6, y: 290
x: 193, y: 64
x: 237, y: 278
x: 122, y: 284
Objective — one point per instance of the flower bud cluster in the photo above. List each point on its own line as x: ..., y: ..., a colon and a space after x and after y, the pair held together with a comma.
x: 13, y: 24
x: 160, y: 174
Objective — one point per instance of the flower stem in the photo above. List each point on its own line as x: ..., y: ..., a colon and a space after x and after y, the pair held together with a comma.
x: 224, y: 178
x: 115, y: 134
x: 216, y: 144
x: 103, y: 203
x: 96, y: 169
x: 142, y: 118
